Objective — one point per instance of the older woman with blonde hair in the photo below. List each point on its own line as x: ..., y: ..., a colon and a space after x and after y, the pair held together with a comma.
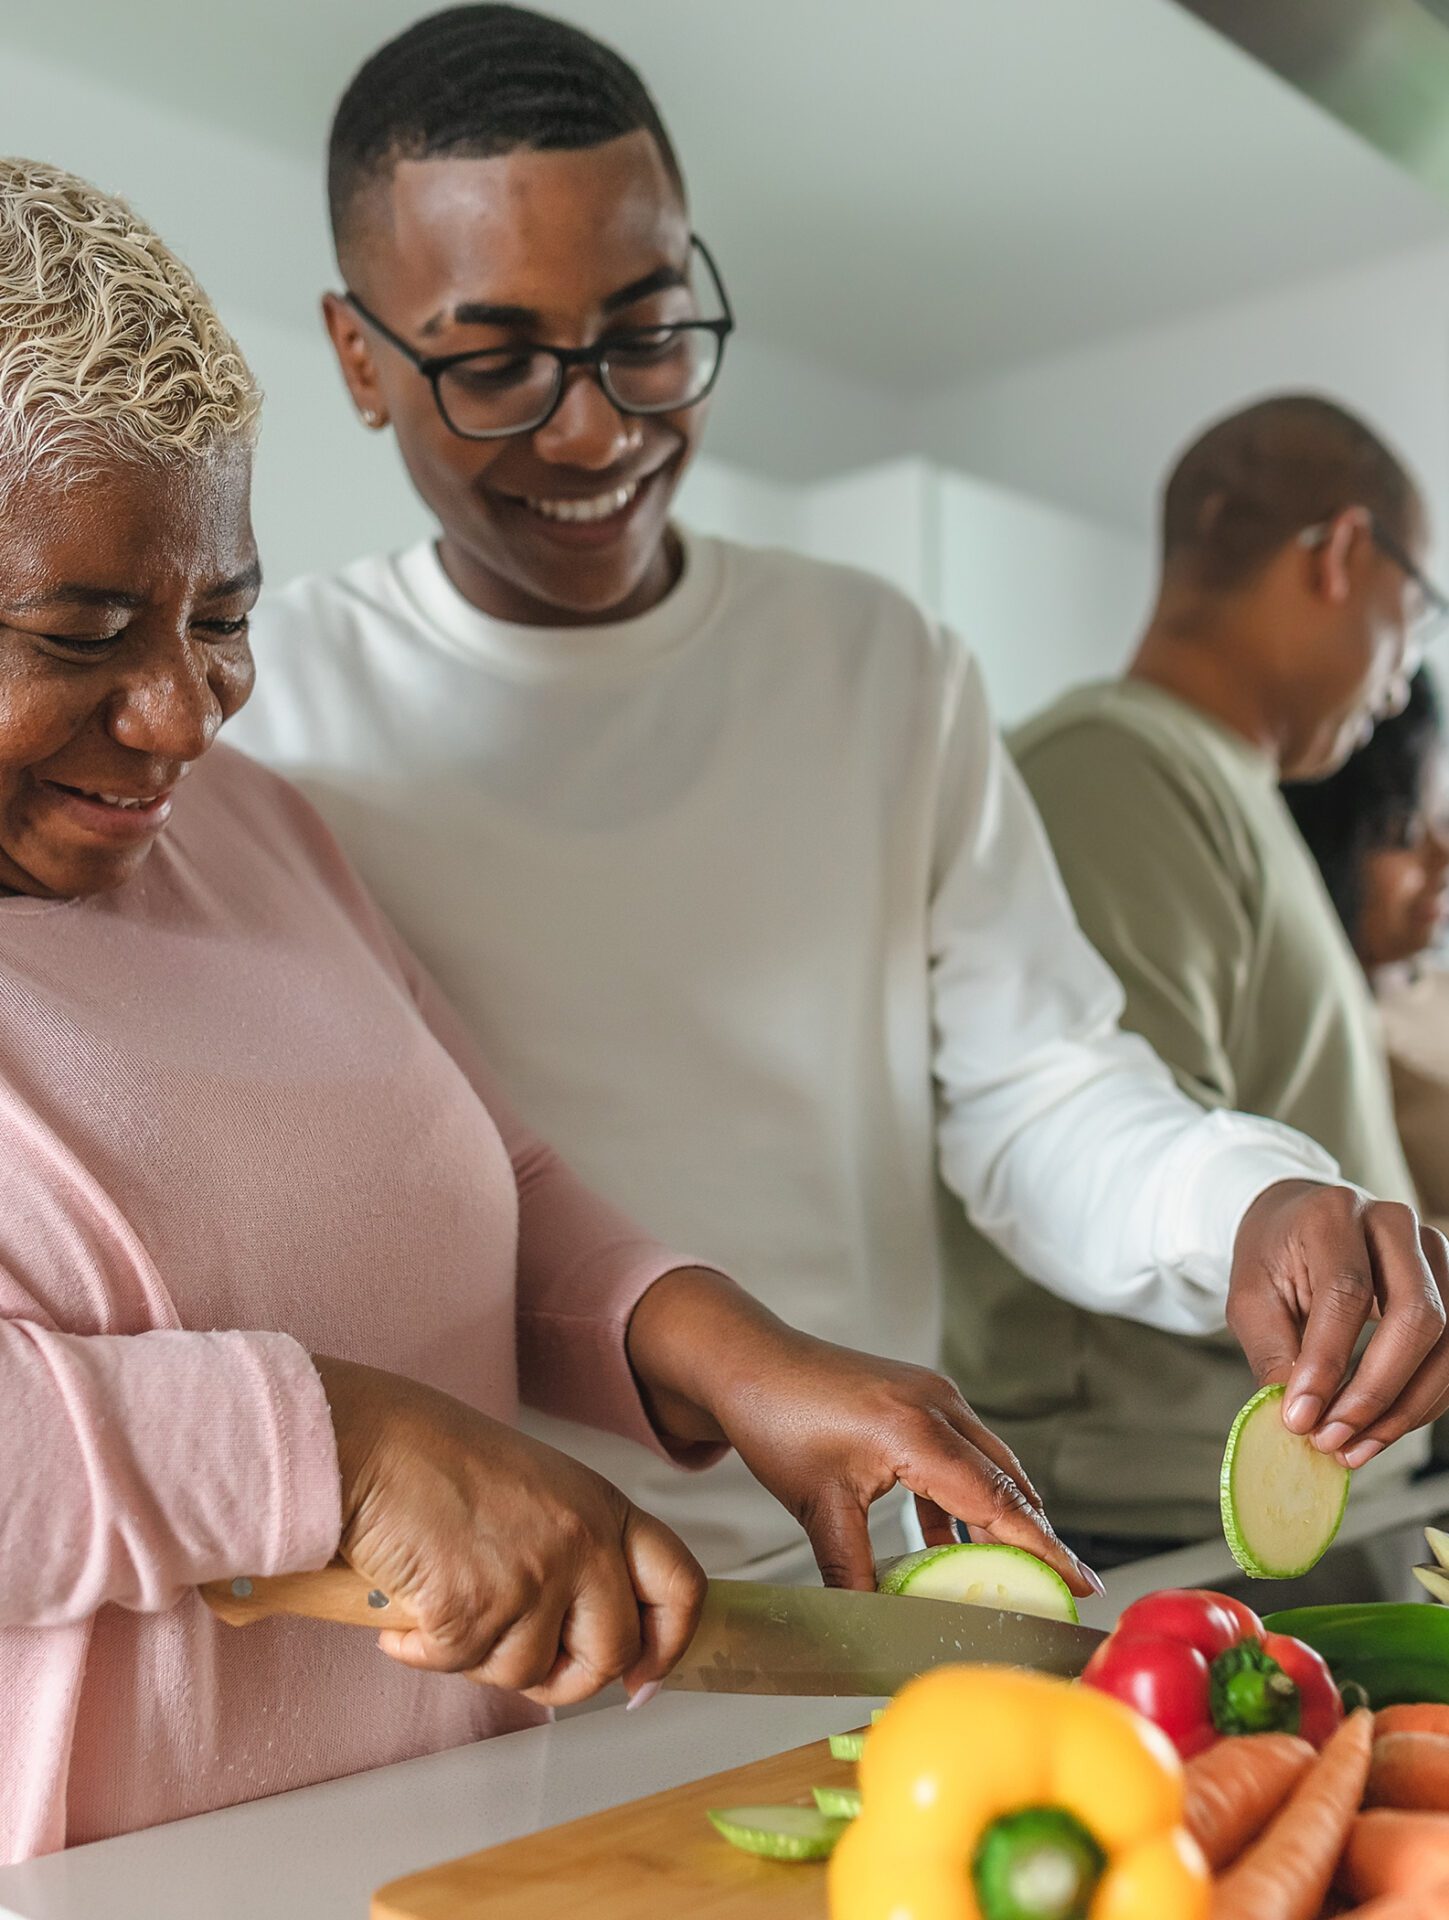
x: 274, y: 1257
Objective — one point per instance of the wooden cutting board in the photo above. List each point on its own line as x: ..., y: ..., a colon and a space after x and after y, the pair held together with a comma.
x: 654, y: 1859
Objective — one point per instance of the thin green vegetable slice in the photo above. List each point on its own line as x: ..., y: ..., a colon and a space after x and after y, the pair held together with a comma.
x: 847, y: 1746
x: 981, y: 1576
x: 779, y: 1833
x: 1282, y: 1500
x: 840, y: 1803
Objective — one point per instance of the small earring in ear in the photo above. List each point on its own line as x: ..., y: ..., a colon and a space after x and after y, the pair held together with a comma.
x: 372, y: 418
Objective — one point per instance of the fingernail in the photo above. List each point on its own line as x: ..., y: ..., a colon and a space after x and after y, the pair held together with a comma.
x: 1301, y: 1412
x: 1330, y: 1438
x: 1093, y: 1579
x: 1365, y: 1450
x: 641, y: 1696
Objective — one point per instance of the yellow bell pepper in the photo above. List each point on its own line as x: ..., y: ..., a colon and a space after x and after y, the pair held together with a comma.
x: 991, y: 1794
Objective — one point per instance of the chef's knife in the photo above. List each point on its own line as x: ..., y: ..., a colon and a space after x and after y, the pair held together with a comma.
x: 750, y: 1638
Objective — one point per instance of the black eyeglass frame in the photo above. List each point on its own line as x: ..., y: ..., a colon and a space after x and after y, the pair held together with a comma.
x: 1436, y: 603
x: 433, y: 366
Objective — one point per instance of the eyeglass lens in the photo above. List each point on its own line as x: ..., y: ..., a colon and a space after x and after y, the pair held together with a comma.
x: 647, y: 372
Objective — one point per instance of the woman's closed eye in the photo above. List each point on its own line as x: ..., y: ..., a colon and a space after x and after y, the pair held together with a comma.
x: 86, y: 646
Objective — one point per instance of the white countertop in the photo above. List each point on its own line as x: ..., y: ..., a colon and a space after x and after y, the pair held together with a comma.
x: 319, y: 1854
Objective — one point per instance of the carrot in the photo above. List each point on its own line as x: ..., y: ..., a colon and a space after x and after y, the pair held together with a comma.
x: 1285, y: 1874
x: 1235, y: 1788
x: 1427, y: 1716
x: 1411, y: 1771
x: 1430, y: 1904
x: 1393, y: 1852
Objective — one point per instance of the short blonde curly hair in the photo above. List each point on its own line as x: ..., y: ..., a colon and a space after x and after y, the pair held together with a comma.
x: 108, y: 346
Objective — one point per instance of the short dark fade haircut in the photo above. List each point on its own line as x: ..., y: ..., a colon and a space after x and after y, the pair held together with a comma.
x: 1257, y: 478
x: 473, y: 82
x: 1370, y: 803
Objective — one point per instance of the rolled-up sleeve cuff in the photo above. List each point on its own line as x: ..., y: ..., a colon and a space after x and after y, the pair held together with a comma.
x: 304, y: 1446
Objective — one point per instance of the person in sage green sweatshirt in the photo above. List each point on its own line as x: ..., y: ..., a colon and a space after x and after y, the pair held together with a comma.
x: 1291, y: 603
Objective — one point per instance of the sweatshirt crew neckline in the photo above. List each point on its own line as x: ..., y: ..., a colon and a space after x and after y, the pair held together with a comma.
x: 540, y: 652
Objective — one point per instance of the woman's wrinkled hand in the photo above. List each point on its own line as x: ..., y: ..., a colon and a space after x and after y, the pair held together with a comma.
x: 829, y: 1431
x: 523, y: 1568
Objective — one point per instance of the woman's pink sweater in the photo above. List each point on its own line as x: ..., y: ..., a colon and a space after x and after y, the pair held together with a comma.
x: 237, y: 1127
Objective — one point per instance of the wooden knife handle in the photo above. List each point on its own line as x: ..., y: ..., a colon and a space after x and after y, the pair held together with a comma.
x: 337, y: 1593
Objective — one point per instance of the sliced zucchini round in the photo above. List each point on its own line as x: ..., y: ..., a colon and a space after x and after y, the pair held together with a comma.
x: 1282, y: 1500
x: 779, y: 1833
x: 840, y: 1803
x: 981, y: 1576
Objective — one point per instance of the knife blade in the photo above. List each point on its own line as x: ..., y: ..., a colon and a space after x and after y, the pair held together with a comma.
x: 751, y: 1638
x: 824, y: 1640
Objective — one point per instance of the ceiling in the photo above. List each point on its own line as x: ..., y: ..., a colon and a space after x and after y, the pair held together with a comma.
x: 915, y: 193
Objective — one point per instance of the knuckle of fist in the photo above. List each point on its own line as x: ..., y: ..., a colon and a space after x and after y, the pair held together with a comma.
x: 574, y: 1533
x: 1392, y: 1216
x: 1337, y: 1207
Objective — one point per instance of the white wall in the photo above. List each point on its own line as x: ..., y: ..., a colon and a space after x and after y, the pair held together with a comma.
x: 884, y: 519
x: 1046, y: 598
x: 738, y: 504
x: 1096, y: 429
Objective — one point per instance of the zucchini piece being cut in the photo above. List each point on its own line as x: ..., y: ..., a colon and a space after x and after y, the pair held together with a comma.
x: 779, y: 1833
x: 981, y: 1576
x: 1282, y: 1500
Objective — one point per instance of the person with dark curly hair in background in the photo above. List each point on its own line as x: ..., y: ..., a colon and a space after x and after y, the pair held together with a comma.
x: 1379, y: 830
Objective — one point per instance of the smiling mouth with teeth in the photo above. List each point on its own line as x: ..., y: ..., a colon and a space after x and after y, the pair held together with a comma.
x: 126, y: 805
x: 602, y: 506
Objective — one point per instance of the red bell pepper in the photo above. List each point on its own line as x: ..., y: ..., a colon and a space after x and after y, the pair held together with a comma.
x: 1201, y: 1666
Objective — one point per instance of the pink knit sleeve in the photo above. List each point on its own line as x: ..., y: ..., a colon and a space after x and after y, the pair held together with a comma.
x: 137, y: 1465
x: 582, y: 1266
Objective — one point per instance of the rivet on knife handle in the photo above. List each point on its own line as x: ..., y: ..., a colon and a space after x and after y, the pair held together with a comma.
x: 337, y: 1593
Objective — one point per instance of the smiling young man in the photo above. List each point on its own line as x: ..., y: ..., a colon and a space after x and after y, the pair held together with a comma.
x: 717, y: 850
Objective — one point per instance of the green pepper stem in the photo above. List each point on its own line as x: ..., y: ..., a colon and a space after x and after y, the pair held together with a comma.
x: 1038, y: 1864
x: 1250, y: 1693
